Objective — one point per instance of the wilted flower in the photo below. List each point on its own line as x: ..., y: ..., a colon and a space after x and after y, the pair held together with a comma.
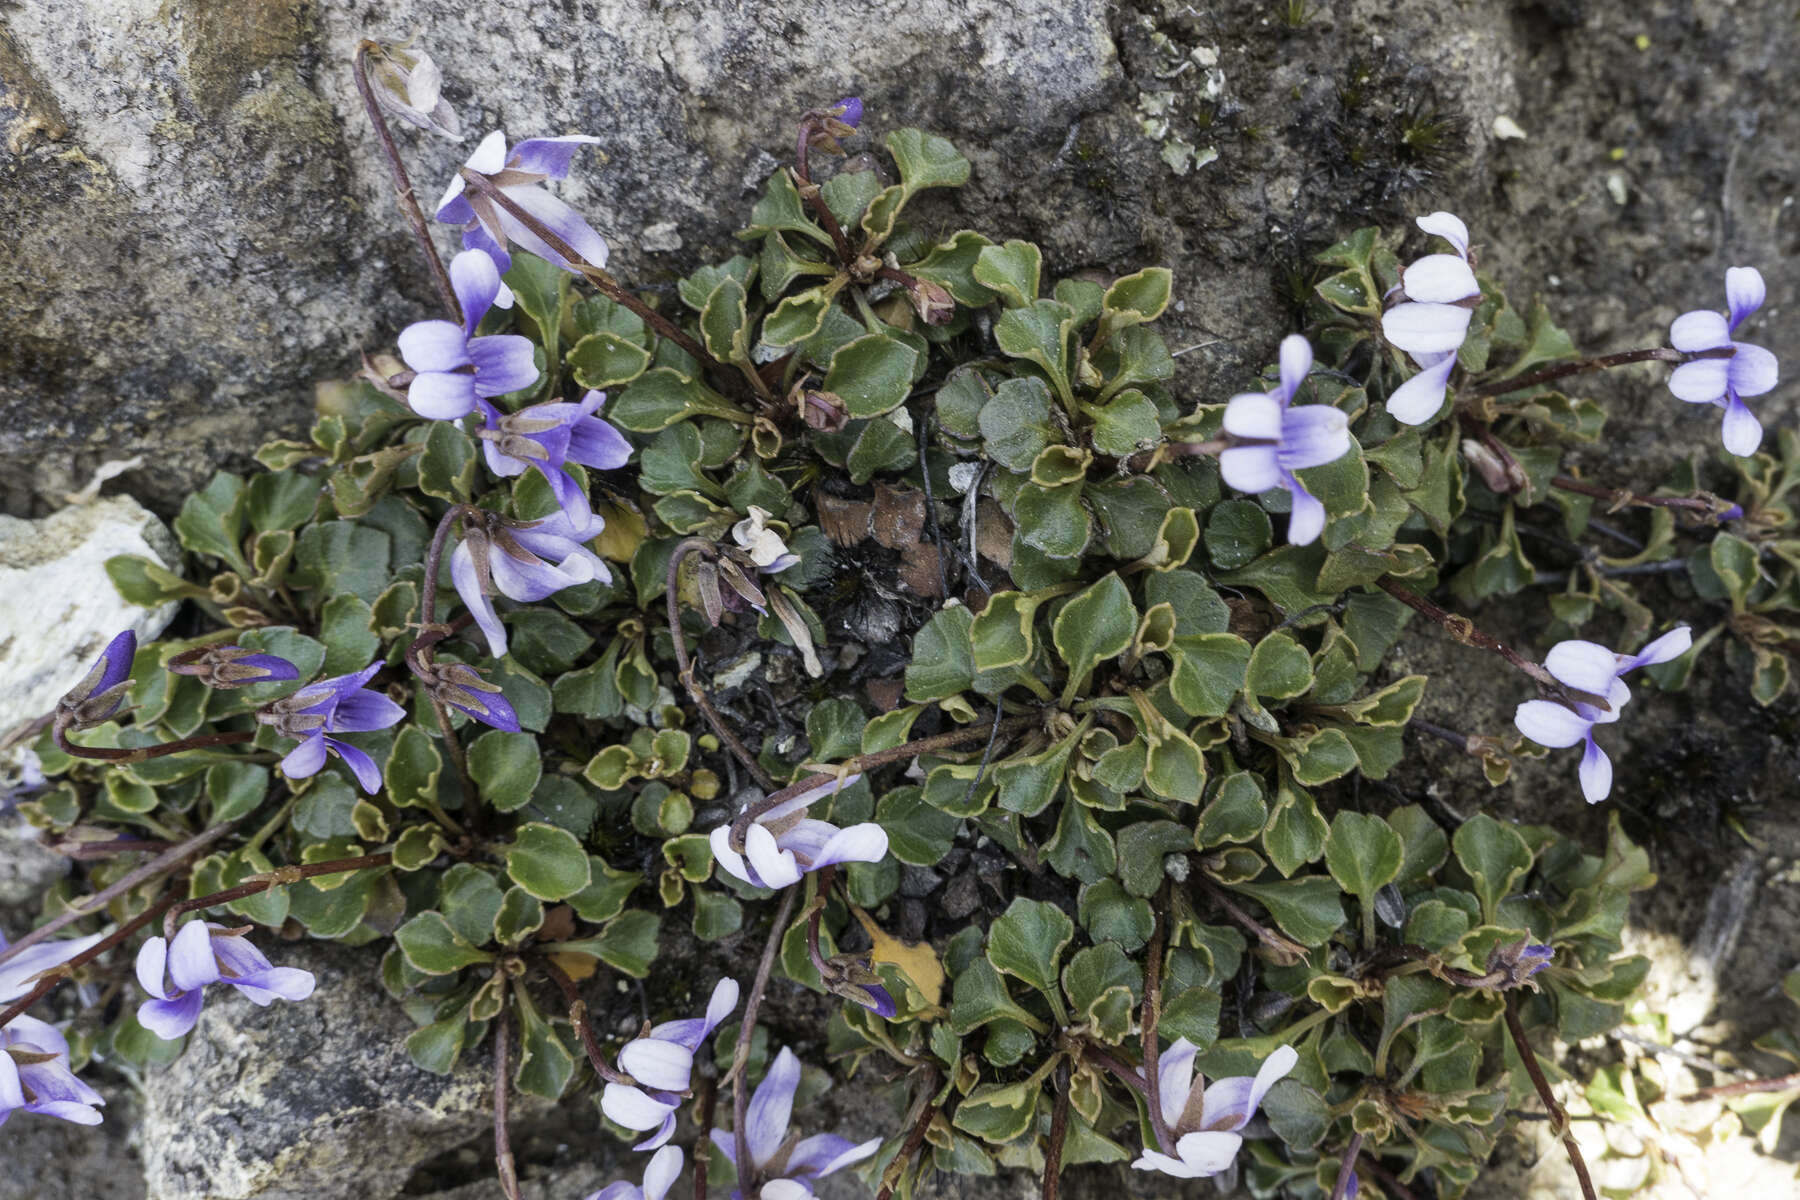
x: 1204, y: 1119
x: 660, y: 1174
x: 1512, y: 964
x: 662, y: 1063
x: 336, y: 705
x: 227, y: 667
x: 780, y: 1167
x: 455, y: 370
x: 204, y: 953
x: 782, y: 844
x: 97, y: 697
x: 822, y: 127
x: 1277, y: 440
x: 765, y: 547
x: 35, y: 1075
x: 1723, y: 382
x: 547, y: 436
x: 1439, y: 294
x: 489, y: 227
x: 462, y: 687
x: 525, y: 560
x: 19, y: 973
x: 409, y: 85
x: 1595, y: 670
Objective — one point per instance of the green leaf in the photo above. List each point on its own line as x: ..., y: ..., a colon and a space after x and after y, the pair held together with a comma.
x: 918, y: 833
x: 1143, y: 849
x: 413, y: 769
x: 1013, y: 270
x: 539, y: 288
x: 545, y: 1063
x: 1095, y: 625
x: 797, y: 317
x: 470, y: 900
x: 506, y: 768
x: 723, y: 322
x: 433, y: 947
x: 447, y: 468
x: 1237, y: 532
x: 1237, y: 813
x: 235, y: 789
x: 607, y: 359
x: 1296, y: 831
x: 1001, y: 635
x: 942, y: 664
x: 437, y: 1046
x: 1308, y: 909
x: 211, y: 521
x: 1136, y: 299
x: 547, y: 862
x: 1495, y: 856
x: 281, y: 500
x: 1127, y: 424
x: 344, y: 627
x: 1209, y: 671
x: 980, y: 997
x: 951, y: 265
x: 1280, y: 668
x: 1040, y: 333
x: 926, y: 161
x: 1016, y: 424
x: 997, y: 1113
x: 662, y: 396
x: 628, y: 943
x: 1110, y: 914
x: 520, y: 916
x: 780, y: 208
x: 1104, y: 986
x: 1363, y: 853
x: 1053, y: 521
x: 872, y: 375
x: 1027, y: 784
x: 1027, y: 941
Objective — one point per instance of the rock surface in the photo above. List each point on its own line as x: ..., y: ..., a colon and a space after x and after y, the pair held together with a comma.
x: 60, y: 608
x: 305, y: 1101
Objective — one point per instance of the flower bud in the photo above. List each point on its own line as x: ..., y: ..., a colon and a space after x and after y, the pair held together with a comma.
x: 933, y: 300
x: 96, y: 699
x: 409, y: 85
x: 463, y: 688
x: 227, y: 667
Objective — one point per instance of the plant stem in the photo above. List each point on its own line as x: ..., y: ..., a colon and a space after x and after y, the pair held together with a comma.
x: 1464, y: 631
x: 403, y: 190
x: 1165, y: 1140
x: 503, y: 1155
x: 47, y: 983
x: 740, y: 1059
x: 1748, y: 1087
x: 230, y: 737
x: 1557, y: 1113
x: 740, y: 825
x: 708, y: 1095
x: 1347, y: 1169
x: 815, y: 200
x: 1288, y: 951
x: 608, y: 286
x: 923, y: 1111
x: 578, y: 1017
x: 1621, y: 497
x: 1501, y: 387
x: 685, y: 667
x: 1059, y: 1128
x: 279, y: 877
x: 161, y: 865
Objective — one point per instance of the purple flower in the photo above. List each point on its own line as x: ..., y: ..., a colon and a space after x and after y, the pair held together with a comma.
x: 547, y: 436
x: 1723, y: 382
x: 35, y: 1075
x: 525, y: 560
x: 1282, y: 440
x: 849, y: 110
x: 336, y: 705
x: 1205, y: 1119
x: 19, y: 974
x: 204, y: 953
x: 1439, y: 294
x: 454, y: 369
x: 662, y: 1063
x: 1591, y: 668
x: 783, y: 844
x: 487, y: 226
x: 227, y: 667
x: 96, y: 699
x: 463, y: 688
x: 781, y: 1168
x: 660, y: 1174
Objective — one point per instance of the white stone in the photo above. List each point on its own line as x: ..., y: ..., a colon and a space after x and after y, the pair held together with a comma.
x: 60, y: 609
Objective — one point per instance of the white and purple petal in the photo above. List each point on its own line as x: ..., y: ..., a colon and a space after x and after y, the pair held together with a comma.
x: 1439, y: 279
x: 1251, y: 469
x: 1702, y: 381
x: 475, y: 277
x: 1584, y: 666
x: 170, y: 1019
x: 479, y: 604
x: 1306, y: 516
x: 504, y: 362
x: 1296, y: 361
x: 1740, y: 431
x: 1550, y: 724
x: 1419, y: 328
x: 559, y: 219
x: 360, y: 764
x: 442, y: 395
x: 1254, y: 415
x: 1448, y: 226
x: 771, y: 1107
x: 1752, y: 370
x: 1744, y: 293
x: 1312, y: 436
x: 1420, y: 398
x: 1596, y: 772
x: 1670, y: 646
x: 1701, y: 329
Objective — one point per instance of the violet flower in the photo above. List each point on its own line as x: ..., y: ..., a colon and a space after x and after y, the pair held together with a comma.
x: 35, y: 1075
x: 1723, y: 382
x: 1591, y: 668
x: 548, y: 436
x: 660, y: 1174
x: 337, y: 705
x: 1205, y: 1119
x: 97, y: 698
x: 227, y: 667
x: 463, y: 688
x: 524, y: 560
x: 783, y: 844
x: 19, y: 974
x: 454, y: 369
x: 662, y: 1064
x: 781, y: 1168
x: 204, y: 953
x: 849, y: 110
x: 487, y: 226
x: 1439, y: 294
x: 1282, y: 440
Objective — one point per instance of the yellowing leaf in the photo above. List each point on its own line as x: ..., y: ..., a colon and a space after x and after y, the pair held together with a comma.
x: 577, y: 966
x: 625, y: 532
x: 916, y: 960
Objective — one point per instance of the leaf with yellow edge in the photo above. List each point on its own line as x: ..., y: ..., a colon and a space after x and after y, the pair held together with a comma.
x: 916, y: 960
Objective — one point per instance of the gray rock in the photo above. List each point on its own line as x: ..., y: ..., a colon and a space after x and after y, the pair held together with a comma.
x: 61, y: 609
x: 314, y: 1100
x: 47, y: 1159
